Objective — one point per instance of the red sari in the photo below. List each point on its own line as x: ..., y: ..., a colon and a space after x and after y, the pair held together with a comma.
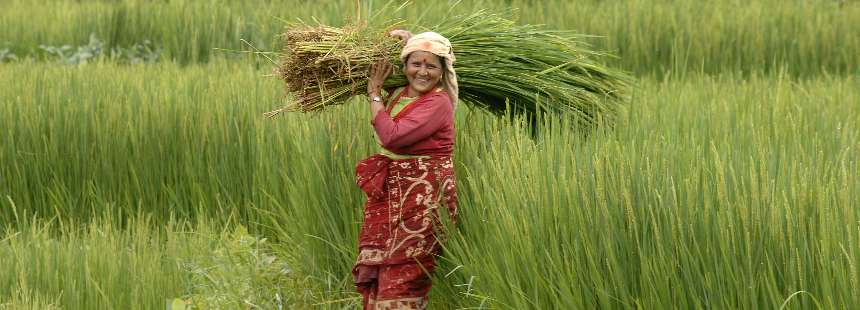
x: 402, y: 228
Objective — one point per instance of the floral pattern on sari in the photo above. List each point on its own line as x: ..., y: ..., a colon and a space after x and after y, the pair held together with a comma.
x: 405, y: 224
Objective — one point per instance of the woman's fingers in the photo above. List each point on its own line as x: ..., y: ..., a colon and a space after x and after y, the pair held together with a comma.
x: 377, y: 68
x: 403, y: 35
x: 382, y: 69
x: 379, y: 71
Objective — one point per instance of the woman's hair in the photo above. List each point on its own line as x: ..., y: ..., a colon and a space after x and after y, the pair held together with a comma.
x: 444, y: 67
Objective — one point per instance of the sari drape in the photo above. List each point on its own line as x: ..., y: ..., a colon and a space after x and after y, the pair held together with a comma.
x: 407, y: 202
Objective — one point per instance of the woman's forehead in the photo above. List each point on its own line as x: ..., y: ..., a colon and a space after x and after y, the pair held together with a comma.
x: 424, y: 57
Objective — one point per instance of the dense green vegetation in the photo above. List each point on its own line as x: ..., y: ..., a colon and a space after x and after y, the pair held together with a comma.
x: 731, y: 182
x: 757, y: 186
x: 805, y: 37
x: 60, y: 264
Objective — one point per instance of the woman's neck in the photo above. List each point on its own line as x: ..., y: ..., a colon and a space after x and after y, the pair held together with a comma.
x: 410, y: 92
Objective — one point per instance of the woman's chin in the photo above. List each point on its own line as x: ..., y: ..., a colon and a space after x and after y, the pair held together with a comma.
x: 422, y: 89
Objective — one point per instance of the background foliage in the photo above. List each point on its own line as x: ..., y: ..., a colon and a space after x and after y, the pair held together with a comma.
x: 730, y: 180
x: 804, y: 37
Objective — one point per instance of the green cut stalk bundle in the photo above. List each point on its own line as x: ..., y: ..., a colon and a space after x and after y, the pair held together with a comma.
x: 501, y: 66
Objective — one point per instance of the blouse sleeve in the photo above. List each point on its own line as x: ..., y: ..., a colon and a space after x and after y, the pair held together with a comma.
x: 424, y: 119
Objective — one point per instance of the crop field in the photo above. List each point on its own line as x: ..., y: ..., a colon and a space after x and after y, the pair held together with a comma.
x: 137, y: 169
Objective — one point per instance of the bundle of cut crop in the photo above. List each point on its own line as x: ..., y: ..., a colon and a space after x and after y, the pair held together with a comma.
x: 500, y: 67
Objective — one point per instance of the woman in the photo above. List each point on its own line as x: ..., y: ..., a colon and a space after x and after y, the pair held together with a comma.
x: 410, y: 183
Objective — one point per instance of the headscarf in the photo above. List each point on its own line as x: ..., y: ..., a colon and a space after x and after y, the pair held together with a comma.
x: 440, y: 46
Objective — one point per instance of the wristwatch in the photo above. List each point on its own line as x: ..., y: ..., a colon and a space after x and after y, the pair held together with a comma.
x: 376, y: 99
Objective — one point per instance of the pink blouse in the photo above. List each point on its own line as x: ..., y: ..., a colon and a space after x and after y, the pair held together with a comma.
x: 424, y: 127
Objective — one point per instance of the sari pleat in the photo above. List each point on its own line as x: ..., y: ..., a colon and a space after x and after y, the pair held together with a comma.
x: 403, y: 227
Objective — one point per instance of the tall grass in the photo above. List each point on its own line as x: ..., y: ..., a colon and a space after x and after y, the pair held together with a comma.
x: 721, y: 191
x: 710, y: 194
x: 713, y: 194
x: 119, y: 139
x: 64, y: 264
x: 98, y: 266
x: 807, y: 37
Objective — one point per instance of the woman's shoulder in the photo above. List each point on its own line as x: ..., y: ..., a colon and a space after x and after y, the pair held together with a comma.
x: 438, y: 96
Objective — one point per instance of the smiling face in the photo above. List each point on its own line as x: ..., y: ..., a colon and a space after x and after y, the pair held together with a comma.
x: 423, y: 71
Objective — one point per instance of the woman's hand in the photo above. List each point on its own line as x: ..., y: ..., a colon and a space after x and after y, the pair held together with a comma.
x: 403, y: 35
x: 378, y: 73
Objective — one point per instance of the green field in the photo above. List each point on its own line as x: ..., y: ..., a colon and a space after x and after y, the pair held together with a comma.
x: 804, y: 37
x: 730, y: 180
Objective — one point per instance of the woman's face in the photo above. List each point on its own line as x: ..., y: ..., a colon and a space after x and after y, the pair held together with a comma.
x: 423, y: 71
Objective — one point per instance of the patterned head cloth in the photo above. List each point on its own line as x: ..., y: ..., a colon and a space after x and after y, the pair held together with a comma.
x: 440, y: 46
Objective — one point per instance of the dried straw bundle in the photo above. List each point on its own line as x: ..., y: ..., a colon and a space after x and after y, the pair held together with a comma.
x: 500, y: 66
x: 325, y: 66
